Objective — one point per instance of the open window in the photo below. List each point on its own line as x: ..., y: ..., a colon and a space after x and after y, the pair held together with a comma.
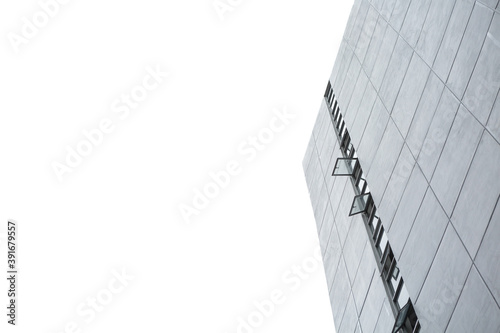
x: 406, y: 320
x: 345, y: 167
x: 360, y: 204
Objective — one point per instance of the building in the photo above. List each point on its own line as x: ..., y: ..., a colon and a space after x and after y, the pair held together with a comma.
x: 403, y: 168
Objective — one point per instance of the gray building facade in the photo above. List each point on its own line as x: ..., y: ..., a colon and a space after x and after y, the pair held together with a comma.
x: 403, y: 168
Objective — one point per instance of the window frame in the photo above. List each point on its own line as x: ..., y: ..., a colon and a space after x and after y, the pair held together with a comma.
x: 367, y: 202
x: 354, y: 169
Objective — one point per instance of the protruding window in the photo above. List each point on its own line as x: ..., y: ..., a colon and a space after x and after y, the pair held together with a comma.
x: 345, y: 167
x: 360, y: 203
x: 406, y: 320
x: 401, y: 318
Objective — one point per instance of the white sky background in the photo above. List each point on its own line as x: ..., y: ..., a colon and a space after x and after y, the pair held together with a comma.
x: 120, y: 207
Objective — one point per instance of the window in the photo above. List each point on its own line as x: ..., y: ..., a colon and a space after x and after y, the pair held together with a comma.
x: 394, y: 278
x: 350, y: 151
x: 329, y: 95
x: 387, y: 261
x: 361, y: 184
x: 346, y: 140
x: 358, y: 173
x: 328, y: 89
x: 373, y: 221
x: 380, y: 238
x: 360, y: 203
x: 336, y: 114
x: 370, y: 205
x: 401, y: 296
x: 342, y: 130
x: 340, y: 124
x: 401, y: 318
x: 345, y: 167
x: 406, y: 320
